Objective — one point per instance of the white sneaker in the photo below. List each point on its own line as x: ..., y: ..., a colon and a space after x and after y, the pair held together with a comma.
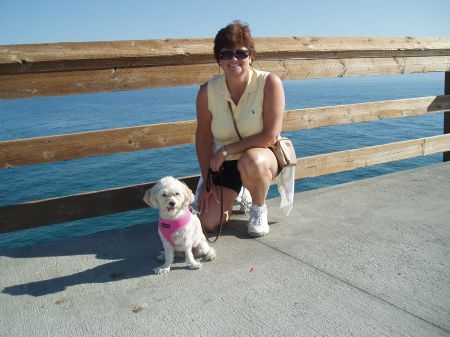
x: 257, y: 225
x: 243, y: 201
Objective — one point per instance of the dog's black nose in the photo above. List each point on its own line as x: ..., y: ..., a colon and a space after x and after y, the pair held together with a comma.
x: 172, y: 203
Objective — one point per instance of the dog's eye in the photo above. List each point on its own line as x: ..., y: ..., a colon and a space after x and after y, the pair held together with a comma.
x: 164, y: 195
x: 177, y: 193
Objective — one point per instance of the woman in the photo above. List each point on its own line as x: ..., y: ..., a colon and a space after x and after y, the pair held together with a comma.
x: 256, y: 99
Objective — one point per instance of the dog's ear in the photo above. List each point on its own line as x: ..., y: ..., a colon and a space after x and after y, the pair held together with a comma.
x: 150, y: 196
x: 188, y: 195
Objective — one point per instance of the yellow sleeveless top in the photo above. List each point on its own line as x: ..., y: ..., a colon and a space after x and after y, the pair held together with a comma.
x: 248, y: 112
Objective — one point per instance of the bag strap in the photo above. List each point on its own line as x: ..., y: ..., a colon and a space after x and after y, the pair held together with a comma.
x: 234, y: 121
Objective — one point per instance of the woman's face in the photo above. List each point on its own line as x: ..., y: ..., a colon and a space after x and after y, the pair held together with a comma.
x: 235, y: 62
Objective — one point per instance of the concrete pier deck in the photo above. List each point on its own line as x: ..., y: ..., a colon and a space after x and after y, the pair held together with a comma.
x: 366, y: 258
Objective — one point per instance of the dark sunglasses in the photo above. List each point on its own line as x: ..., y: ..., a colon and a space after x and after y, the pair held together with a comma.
x: 240, y: 54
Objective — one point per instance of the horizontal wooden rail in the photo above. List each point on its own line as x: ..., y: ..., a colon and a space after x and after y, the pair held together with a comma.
x: 116, y: 79
x: 96, y: 143
x: 336, y: 162
x: 363, y: 112
x: 52, y: 57
x: 75, y: 207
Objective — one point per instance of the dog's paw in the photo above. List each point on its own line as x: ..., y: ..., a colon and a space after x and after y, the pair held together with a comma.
x: 211, y: 255
x: 162, y: 270
x: 195, y: 265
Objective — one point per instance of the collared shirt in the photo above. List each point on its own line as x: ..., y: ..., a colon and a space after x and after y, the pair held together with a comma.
x: 248, y: 112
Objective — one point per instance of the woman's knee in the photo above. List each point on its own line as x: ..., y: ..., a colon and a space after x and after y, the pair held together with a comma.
x: 254, y: 162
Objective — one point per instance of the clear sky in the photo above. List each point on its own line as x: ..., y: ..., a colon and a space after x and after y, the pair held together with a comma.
x: 40, y: 21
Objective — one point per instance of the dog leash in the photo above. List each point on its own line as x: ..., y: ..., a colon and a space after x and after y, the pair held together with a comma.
x: 208, y: 189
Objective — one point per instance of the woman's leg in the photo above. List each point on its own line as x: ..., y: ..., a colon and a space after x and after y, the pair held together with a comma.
x: 210, y: 219
x: 258, y: 166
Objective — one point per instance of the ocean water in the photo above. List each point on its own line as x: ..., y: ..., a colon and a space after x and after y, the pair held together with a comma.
x: 68, y: 114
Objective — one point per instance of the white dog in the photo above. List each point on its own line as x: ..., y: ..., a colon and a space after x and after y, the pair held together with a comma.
x: 178, y: 228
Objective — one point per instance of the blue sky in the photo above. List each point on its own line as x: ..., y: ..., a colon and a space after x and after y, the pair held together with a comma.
x: 32, y: 21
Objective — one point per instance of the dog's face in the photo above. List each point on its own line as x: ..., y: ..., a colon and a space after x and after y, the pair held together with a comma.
x: 170, y: 196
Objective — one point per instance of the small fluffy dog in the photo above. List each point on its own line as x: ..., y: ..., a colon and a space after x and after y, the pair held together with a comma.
x: 178, y: 228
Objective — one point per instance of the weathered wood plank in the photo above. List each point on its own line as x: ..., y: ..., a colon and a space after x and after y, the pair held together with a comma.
x: 96, y: 143
x: 327, y: 68
x: 363, y: 112
x: 90, y: 81
x: 335, y: 162
x: 75, y: 207
x: 145, y: 53
x: 436, y: 144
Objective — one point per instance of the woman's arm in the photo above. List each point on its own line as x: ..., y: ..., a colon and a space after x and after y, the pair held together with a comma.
x: 203, y: 134
x: 273, y: 109
x: 203, y: 145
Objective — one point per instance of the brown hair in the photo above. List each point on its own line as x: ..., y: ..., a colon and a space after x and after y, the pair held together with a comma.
x: 236, y: 34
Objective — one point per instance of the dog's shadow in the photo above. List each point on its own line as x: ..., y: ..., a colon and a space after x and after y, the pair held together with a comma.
x: 120, y: 254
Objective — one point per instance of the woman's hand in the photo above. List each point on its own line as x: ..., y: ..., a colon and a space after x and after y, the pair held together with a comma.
x: 217, y: 159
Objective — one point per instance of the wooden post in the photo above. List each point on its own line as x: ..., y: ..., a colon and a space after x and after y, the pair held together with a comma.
x: 447, y: 113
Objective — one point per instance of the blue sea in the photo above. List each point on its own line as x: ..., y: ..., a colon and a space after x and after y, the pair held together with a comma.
x: 34, y: 117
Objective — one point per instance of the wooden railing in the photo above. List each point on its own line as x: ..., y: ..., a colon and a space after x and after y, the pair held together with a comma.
x: 74, y: 68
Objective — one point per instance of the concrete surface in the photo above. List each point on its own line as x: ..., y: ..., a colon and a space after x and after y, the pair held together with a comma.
x: 367, y: 258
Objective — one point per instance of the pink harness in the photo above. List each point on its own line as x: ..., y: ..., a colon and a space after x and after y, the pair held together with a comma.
x: 168, y: 227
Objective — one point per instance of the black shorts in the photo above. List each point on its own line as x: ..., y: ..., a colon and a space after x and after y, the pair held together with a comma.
x: 231, y: 177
